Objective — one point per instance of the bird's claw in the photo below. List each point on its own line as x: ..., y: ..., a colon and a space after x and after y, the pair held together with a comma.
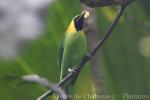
x: 71, y: 70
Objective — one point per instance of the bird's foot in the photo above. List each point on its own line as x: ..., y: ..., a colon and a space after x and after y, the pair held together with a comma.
x: 71, y: 70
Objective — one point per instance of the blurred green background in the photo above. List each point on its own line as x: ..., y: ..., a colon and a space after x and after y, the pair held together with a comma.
x: 125, y: 57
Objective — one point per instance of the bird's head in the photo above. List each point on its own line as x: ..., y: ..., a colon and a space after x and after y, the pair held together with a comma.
x: 77, y: 22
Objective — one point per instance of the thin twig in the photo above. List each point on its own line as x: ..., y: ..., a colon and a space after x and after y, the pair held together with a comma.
x: 74, y: 74
x: 45, y: 83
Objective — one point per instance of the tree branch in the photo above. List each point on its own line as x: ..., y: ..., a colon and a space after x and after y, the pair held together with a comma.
x: 92, y: 31
x: 45, y: 83
x: 74, y: 74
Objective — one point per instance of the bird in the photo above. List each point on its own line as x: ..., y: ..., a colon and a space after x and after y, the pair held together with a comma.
x: 73, y: 48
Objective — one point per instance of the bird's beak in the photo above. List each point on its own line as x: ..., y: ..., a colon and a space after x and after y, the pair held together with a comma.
x: 81, y: 17
x: 79, y: 21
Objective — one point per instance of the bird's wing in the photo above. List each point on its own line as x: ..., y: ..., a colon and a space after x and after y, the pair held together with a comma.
x: 61, y: 51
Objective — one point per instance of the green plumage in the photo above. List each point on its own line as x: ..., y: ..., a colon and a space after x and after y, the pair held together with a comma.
x: 73, y: 48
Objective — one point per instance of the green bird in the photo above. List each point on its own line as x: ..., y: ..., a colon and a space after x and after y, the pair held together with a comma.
x: 73, y: 48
